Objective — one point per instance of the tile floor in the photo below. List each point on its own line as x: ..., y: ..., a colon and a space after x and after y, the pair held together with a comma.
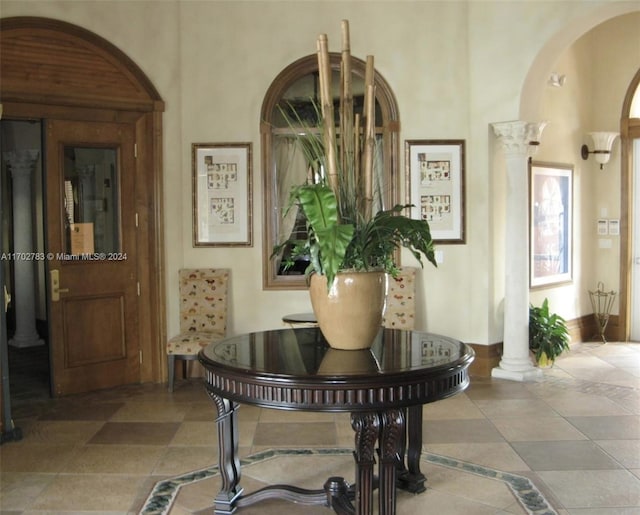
x: 575, y: 434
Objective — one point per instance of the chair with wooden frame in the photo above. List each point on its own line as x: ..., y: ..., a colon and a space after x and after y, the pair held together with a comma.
x: 203, y: 315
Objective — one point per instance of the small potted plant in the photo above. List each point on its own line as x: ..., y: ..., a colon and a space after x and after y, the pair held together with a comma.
x: 548, y: 334
x: 345, y: 232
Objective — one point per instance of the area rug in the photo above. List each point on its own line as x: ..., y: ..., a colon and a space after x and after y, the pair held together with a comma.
x: 164, y: 493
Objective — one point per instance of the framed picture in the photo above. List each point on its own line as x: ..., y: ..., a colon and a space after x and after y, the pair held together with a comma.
x: 551, y: 220
x: 436, y: 172
x: 222, y: 196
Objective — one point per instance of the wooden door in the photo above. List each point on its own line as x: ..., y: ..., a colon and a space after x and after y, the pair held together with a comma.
x: 91, y: 255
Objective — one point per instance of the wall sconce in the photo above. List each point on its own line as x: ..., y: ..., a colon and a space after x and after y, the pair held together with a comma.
x: 603, y: 142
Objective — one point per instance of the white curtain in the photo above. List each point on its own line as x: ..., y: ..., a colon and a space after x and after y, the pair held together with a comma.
x: 291, y: 171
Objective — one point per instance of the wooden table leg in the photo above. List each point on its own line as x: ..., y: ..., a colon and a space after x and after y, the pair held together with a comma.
x: 228, y: 459
x: 410, y: 478
x: 391, y: 437
x: 367, y: 428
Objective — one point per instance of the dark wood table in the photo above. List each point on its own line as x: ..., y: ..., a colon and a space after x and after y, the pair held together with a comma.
x: 295, y: 369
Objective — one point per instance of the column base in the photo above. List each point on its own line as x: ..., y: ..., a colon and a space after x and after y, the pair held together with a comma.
x: 530, y: 374
x: 23, y: 342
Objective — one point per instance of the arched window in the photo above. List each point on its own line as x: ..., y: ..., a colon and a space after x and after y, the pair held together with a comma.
x: 283, y: 165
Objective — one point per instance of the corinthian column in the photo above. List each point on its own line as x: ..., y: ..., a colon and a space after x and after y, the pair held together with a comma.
x: 517, y: 138
x: 22, y: 164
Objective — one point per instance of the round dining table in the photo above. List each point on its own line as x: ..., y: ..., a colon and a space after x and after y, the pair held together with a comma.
x: 383, y: 388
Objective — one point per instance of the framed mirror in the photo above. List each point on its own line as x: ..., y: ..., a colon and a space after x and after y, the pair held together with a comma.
x: 283, y: 164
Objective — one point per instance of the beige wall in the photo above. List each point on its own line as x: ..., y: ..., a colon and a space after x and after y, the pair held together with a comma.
x: 599, y: 68
x: 455, y: 67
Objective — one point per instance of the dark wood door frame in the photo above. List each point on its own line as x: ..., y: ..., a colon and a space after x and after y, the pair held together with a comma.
x: 49, y: 72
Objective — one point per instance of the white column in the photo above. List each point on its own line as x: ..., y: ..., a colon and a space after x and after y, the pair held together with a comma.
x: 86, y: 175
x: 22, y: 164
x: 517, y: 139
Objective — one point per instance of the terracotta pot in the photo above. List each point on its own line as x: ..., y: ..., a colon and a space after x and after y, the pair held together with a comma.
x: 350, y: 313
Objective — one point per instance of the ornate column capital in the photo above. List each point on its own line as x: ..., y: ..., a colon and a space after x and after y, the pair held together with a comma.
x: 519, y: 138
x: 22, y: 162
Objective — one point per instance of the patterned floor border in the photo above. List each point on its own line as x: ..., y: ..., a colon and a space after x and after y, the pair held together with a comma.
x: 163, y: 495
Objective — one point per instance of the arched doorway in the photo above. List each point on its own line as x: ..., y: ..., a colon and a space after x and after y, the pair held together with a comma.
x: 535, y: 89
x: 89, y: 97
x: 630, y: 205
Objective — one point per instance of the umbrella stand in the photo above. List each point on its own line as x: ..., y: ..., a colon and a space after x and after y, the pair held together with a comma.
x: 602, y: 302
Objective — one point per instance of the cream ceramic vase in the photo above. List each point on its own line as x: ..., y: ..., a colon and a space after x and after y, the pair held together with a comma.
x: 349, y: 314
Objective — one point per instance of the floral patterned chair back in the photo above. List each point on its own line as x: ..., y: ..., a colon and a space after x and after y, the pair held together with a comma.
x: 203, y: 314
x: 203, y: 301
x: 400, y: 309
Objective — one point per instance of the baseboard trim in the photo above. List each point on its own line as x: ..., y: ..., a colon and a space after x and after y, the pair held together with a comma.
x: 487, y: 358
x: 585, y: 328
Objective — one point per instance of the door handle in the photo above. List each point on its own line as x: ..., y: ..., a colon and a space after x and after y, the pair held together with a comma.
x: 55, y: 286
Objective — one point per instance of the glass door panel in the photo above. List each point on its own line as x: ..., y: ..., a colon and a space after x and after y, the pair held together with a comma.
x: 91, y: 200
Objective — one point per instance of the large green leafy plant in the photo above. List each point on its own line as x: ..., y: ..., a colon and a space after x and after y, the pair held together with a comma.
x: 548, y: 333
x: 336, y: 242
x: 342, y: 230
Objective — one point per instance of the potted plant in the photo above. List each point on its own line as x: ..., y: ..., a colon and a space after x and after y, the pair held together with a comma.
x: 344, y: 235
x: 548, y: 334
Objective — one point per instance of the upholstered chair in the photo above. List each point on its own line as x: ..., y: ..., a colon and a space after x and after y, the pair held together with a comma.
x: 400, y: 308
x: 203, y: 315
